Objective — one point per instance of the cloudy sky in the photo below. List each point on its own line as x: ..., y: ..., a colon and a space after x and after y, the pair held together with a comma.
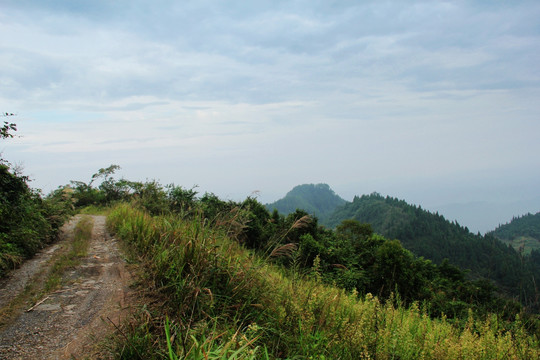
x: 434, y: 102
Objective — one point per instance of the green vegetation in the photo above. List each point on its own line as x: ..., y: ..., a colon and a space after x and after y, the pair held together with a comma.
x: 28, y: 221
x: 157, y: 199
x: 352, y: 257
x: 6, y: 131
x: 43, y: 283
x: 523, y: 233
x: 226, y: 302
x: 78, y: 250
x: 318, y: 200
x: 433, y: 237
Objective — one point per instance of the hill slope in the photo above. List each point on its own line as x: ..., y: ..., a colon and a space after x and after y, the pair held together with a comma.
x: 316, y: 199
x: 435, y: 238
x: 523, y: 233
x: 226, y: 302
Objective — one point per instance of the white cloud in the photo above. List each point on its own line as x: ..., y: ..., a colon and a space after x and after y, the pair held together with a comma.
x: 273, y: 93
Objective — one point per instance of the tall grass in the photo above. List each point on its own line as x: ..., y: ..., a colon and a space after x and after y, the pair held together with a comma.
x: 225, y: 303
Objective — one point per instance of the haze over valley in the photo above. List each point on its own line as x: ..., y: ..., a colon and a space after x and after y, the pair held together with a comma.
x: 432, y: 102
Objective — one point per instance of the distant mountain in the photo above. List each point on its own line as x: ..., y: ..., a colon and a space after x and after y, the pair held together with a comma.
x: 316, y: 199
x: 523, y: 233
x: 432, y: 236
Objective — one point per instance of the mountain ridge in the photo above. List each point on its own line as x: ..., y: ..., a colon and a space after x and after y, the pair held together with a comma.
x: 430, y: 235
x: 522, y: 233
x: 316, y: 199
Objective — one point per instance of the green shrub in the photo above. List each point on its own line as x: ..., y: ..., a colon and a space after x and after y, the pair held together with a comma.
x: 28, y: 221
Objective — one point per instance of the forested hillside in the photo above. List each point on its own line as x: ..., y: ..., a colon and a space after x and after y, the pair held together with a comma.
x: 433, y: 237
x: 523, y: 233
x: 316, y: 199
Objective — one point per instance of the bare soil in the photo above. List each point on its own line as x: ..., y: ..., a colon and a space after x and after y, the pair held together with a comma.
x: 68, y: 323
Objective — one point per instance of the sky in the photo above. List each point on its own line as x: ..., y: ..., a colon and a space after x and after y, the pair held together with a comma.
x: 433, y: 102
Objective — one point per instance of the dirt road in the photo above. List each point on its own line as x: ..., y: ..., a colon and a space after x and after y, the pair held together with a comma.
x: 69, y: 322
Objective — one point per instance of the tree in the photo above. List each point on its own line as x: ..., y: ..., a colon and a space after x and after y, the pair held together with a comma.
x: 181, y: 200
x: 106, y: 174
x: 5, y: 130
x: 109, y: 189
x: 354, y: 232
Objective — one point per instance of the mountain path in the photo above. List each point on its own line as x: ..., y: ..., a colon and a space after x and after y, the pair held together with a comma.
x: 69, y: 322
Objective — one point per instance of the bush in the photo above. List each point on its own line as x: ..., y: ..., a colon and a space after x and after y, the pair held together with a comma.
x: 28, y: 221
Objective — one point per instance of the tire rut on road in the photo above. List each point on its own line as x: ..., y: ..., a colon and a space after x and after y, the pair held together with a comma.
x: 68, y: 322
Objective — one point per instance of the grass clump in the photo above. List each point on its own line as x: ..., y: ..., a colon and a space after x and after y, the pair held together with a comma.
x: 223, y: 302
